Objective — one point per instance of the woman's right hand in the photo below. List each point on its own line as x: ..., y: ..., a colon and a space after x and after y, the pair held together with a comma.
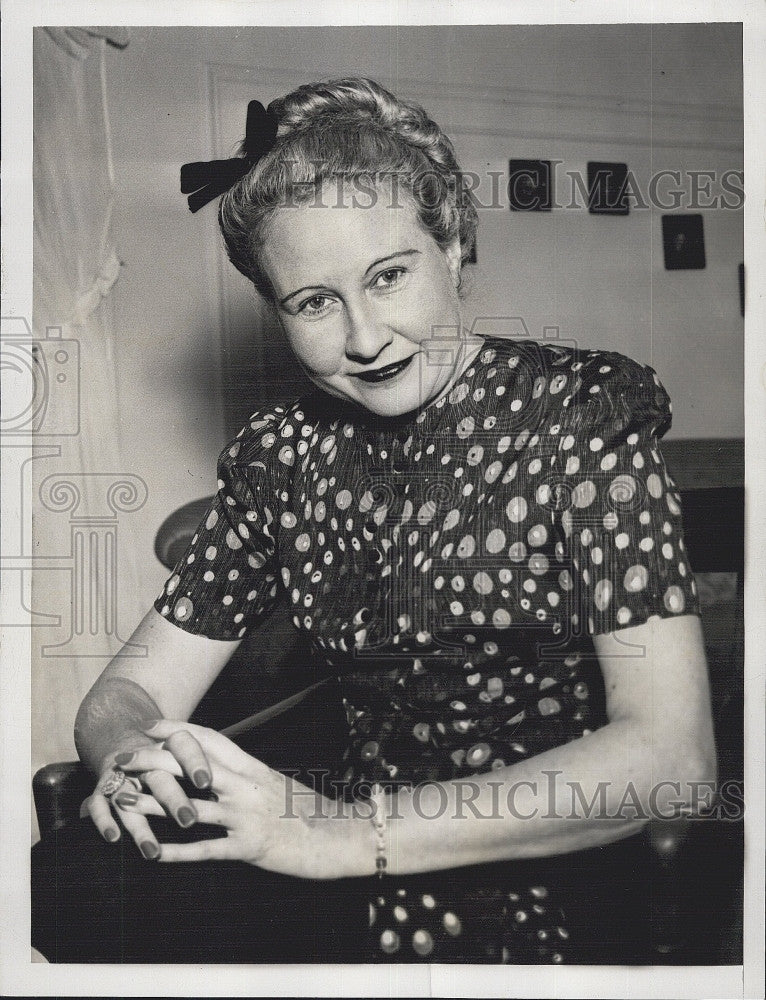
x: 162, y: 785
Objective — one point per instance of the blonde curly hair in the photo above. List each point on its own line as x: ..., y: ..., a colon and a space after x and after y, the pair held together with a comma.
x: 355, y: 130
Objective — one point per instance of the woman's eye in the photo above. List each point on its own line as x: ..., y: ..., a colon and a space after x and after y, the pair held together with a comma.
x: 390, y: 276
x: 315, y: 305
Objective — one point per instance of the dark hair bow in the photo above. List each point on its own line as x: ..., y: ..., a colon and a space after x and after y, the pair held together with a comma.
x: 208, y: 180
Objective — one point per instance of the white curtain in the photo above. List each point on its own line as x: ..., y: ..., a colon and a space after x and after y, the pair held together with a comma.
x: 84, y: 573
x: 76, y: 262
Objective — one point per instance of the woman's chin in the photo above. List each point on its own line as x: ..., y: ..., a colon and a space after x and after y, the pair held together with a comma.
x: 388, y: 402
x: 392, y: 400
x: 407, y: 392
x: 383, y: 400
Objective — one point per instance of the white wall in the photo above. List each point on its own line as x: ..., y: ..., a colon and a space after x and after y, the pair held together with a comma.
x: 611, y: 93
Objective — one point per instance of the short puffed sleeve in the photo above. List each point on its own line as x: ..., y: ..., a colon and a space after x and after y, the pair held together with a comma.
x: 620, y: 510
x: 225, y: 581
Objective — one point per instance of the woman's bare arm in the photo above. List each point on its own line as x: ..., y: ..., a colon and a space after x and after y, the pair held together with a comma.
x: 581, y: 794
x: 168, y: 681
x: 593, y: 790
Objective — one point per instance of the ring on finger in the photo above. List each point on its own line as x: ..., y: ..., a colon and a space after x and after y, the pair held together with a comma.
x: 114, y: 780
x: 111, y: 782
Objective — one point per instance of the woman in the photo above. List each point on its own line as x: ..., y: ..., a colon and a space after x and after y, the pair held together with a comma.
x: 482, y: 541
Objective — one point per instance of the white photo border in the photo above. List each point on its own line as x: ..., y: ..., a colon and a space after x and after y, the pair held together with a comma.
x: 18, y: 974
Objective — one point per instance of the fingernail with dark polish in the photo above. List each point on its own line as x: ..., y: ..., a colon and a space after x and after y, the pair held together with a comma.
x: 126, y: 799
x: 111, y: 834
x: 201, y: 778
x: 124, y: 758
x: 186, y: 816
x: 149, y: 850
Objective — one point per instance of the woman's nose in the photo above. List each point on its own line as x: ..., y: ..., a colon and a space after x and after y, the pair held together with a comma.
x: 367, y: 334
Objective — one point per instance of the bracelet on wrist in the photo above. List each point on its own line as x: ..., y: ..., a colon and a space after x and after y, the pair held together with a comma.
x: 378, y: 820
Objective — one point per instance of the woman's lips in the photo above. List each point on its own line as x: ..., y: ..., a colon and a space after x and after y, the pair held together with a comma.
x: 386, y: 373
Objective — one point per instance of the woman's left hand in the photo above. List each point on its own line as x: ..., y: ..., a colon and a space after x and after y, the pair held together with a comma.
x: 270, y: 820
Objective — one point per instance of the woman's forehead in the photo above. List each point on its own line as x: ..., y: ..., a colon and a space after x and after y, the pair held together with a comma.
x: 346, y: 228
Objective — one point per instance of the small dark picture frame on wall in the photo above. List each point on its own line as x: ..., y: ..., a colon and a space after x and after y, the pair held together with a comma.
x: 608, y: 188
x: 529, y: 185
x: 683, y: 242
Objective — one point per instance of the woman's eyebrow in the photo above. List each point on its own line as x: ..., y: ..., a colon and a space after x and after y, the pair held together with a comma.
x: 380, y: 260
x: 398, y: 253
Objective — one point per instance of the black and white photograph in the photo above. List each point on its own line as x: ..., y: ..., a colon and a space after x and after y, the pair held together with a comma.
x: 375, y: 502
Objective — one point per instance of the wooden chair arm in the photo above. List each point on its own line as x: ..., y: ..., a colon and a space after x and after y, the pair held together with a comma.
x: 667, y: 840
x: 59, y: 790
x: 177, y: 530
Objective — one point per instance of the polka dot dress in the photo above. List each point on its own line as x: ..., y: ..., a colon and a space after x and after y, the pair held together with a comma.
x: 451, y: 568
